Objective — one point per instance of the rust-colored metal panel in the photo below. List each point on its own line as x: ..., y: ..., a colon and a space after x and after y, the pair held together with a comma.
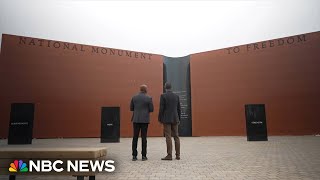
x: 283, y: 74
x: 69, y: 83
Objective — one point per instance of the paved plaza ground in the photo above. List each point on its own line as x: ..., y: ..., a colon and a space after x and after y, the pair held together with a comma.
x: 282, y: 157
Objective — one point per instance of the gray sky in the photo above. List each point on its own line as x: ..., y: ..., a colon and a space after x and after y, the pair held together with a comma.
x: 171, y: 28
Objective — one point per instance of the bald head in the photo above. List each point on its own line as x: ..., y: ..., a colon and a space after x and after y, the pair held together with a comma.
x: 143, y: 88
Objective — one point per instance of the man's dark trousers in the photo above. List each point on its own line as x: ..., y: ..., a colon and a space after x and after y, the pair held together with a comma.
x: 137, y: 127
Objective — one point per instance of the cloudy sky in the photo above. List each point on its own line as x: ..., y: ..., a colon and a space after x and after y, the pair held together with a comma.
x: 172, y: 28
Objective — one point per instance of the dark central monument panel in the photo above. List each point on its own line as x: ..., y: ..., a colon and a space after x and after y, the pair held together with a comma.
x: 177, y: 72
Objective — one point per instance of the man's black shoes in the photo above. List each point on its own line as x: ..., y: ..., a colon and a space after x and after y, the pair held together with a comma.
x: 134, y: 158
x: 144, y: 158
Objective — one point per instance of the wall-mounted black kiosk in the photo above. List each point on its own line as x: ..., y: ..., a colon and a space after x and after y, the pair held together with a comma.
x: 110, y: 124
x: 256, y: 122
x: 21, y: 123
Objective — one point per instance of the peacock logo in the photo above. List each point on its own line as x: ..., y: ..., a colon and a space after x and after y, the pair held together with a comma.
x: 18, y: 166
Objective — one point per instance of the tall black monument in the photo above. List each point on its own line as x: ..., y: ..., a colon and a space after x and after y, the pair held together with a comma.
x: 177, y: 72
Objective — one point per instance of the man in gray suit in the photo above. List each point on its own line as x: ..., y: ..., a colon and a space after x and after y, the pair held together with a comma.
x: 169, y: 116
x: 141, y: 105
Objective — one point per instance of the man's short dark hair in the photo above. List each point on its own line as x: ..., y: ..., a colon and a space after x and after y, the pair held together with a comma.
x: 167, y: 85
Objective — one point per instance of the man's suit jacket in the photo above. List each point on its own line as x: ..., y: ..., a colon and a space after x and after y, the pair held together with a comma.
x: 170, y: 110
x: 141, y: 105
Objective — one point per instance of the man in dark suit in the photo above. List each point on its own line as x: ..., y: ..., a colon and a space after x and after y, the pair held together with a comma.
x: 141, y: 105
x: 169, y: 116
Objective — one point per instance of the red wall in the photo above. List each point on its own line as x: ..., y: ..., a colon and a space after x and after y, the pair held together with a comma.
x: 69, y: 87
x: 285, y: 78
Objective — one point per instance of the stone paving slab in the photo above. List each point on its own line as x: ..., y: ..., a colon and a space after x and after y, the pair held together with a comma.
x: 204, y: 158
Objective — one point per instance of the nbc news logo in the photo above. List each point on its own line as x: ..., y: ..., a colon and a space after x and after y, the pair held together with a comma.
x: 75, y: 166
x: 18, y: 166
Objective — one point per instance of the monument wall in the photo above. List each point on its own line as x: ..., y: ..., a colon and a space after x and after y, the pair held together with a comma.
x: 69, y: 83
x: 283, y: 74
